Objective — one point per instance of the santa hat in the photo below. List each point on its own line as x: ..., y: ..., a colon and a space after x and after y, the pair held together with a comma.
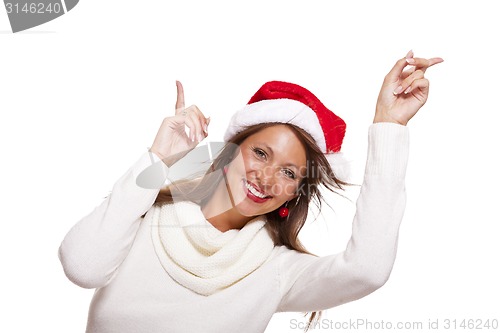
x: 283, y: 102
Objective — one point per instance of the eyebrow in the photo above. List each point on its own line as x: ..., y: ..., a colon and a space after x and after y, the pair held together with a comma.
x: 272, y: 153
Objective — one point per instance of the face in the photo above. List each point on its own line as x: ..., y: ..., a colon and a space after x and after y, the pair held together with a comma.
x: 267, y: 171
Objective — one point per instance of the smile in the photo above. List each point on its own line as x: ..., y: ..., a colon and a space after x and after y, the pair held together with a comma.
x: 255, y: 194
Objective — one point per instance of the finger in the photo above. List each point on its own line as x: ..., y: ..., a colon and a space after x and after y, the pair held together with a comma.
x: 205, y: 126
x: 422, y: 63
x: 197, y: 129
x: 201, y: 118
x: 406, y: 73
x: 179, y: 105
x: 186, y: 123
x: 190, y: 122
x: 434, y: 61
x: 422, y: 83
x: 406, y: 83
x: 395, y: 72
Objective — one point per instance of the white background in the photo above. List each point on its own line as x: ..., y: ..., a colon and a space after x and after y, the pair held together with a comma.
x: 81, y: 97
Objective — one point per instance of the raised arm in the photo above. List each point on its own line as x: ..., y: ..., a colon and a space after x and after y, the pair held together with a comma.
x: 310, y: 283
x: 95, y: 247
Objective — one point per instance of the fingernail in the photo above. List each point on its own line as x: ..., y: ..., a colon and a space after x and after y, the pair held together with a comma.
x: 398, y: 90
x: 409, y: 54
x: 205, y: 128
x: 408, y: 90
x: 410, y: 60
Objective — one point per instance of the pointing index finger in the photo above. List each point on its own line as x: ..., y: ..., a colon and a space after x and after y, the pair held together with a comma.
x: 180, y: 96
x: 422, y: 63
x: 433, y: 61
x: 419, y: 63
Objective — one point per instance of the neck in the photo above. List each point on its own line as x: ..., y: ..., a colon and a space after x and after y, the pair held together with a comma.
x: 221, y: 213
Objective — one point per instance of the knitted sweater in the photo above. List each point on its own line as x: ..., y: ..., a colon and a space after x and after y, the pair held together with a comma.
x: 111, y: 250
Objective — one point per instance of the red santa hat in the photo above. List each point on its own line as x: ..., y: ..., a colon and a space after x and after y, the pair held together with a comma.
x: 283, y: 102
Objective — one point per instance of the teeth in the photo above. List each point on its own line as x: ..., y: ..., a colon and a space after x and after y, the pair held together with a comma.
x: 254, y: 191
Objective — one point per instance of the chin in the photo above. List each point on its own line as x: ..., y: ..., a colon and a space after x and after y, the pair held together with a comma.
x: 248, y: 204
x: 249, y: 209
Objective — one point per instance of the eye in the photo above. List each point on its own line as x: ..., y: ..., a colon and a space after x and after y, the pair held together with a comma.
x: 259, y: 152
x: 289, y: 173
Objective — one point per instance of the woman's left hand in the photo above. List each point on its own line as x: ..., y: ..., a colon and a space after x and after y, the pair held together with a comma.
x: 403, y: 93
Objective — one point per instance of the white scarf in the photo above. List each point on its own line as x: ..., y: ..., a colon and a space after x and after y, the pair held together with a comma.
x: 199, y: 256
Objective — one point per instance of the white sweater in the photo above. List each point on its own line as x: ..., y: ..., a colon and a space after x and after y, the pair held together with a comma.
x: 111, y: 250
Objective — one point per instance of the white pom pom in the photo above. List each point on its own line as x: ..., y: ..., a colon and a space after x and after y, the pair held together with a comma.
x: 340, y: 165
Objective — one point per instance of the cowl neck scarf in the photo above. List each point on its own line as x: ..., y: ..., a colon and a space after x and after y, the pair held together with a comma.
x: 199, y: 256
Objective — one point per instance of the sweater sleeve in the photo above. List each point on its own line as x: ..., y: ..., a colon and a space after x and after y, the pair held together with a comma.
x: 94, y: 248
x: 310, y: 283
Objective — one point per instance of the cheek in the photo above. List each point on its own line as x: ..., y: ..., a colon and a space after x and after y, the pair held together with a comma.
x: 285, y: 188
x: 291, y: 189
x: 249, y: 164
x: 237, y: 165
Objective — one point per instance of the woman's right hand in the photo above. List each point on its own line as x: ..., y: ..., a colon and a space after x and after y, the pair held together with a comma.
x: 172, y: 142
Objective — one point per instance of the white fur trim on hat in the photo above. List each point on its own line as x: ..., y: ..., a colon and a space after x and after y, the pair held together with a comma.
x: 281, y: 110
x: 340, y: 165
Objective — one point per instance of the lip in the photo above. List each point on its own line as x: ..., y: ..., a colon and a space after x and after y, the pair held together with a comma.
x: 250, y: 195
x: 257, y: 188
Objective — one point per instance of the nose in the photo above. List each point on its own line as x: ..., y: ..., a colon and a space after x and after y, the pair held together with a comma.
x: 266, y: 178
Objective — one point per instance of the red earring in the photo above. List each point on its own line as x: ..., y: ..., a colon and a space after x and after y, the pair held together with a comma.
x: 283, y: 212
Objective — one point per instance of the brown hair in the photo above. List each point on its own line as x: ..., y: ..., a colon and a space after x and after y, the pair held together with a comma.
x: 319, y: 172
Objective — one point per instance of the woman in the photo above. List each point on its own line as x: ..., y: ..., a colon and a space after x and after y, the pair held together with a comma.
x: 220, y: 253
